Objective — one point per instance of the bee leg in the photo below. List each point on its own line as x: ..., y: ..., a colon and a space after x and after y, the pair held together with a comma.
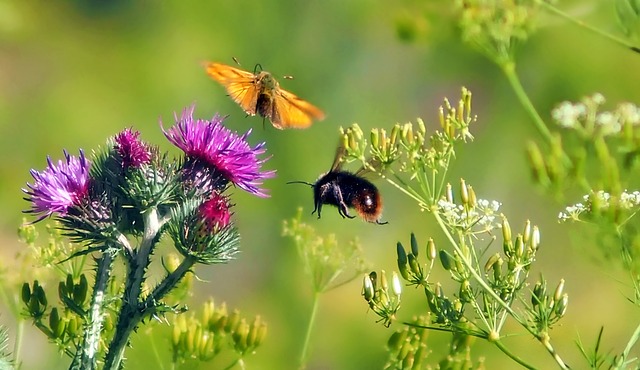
x: 381, y: 223
x: 343, y: 210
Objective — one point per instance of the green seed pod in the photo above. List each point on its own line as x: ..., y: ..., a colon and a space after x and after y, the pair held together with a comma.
x: 62, y: 290
x: 262, y: 333
x: 414, y: 245
x: 73, y: 326
x: 431, y: 250
x: 368, y: 291
x: 69, y: 282
x: 208, y: 309
x: 253, y: 332
x: 445, y: 259
x: 464, y: 194
x: 80, y: 291
x: 233, y: 321
x: 394, y: 134
x: 414, y: 266
x: 491, y: 261
x: 407, y: 362
x: 449, y: 193
x: 396, y: 340
x: 396, y: 284
x: 40, y: 294
x: 561, y: 308
x: 54, y: 323
x: 375, y: 137
x: 240, y: 336
x: 473, y: 199
x: 402, y: 261
x: 519, y: 249
x: 526, y: 233
x: 25, y: 294
x: 506, y: 230
x: 559, y: 292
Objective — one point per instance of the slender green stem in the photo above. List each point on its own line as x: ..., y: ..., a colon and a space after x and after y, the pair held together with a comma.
x: 512, y: 355
x: 18, y: 344
x: 545, y: 342
x: 509, y: 69
x: 560, y: 13
x: 307, y: 337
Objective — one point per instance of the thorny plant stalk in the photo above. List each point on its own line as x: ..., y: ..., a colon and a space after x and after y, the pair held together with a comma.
x: 130, y: 191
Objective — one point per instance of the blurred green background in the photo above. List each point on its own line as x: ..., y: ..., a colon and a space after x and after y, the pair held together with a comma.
x: 73, y: 73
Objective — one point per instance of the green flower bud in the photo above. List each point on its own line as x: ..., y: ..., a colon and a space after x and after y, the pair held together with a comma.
x: 367, y: 288
x: 526, y: 234
x: 375, y: 137
x: 414, y: 245
x: 233, y: 321
x: 473, y: 200
x: 396, y: 340
x: 208, y: 309
x: 414, y: 266
x: 519, y: 249
x: 394, y: 134
x: 240, y: 336
x: 535, y: 238
x: 491, y: 261
x: 25, y: 294
x: 80, y: 291
x: 559, y: 292
x: 396, y: 284
x: 464, y: 194
x: 42, y: 296
x: 506, y: 230
x: 62, y: 290
x: 431, y: 250
x: 73, y: 326
x: 561, y: 308
x: 262, y: 333
x: 445, y: 259
x: 402, y: 261
x: 253, y: 332
x: 449, y: 193
x: 54, y: 323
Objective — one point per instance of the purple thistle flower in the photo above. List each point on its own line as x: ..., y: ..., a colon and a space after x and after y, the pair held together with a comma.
x: 226, y: 152
x: 59, y: 186
x: 132, y: 150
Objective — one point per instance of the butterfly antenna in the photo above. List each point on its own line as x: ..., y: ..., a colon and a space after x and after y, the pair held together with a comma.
x: 255, y: 69
x: 300, y: 182
x: 236, y: 60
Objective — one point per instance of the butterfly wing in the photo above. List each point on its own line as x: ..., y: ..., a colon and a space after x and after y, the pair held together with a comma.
x: 242, y: 86
x: 289, y: 111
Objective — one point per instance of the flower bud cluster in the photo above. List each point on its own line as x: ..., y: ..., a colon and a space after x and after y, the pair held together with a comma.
x: 383, y: 298
x: 547, y: 307
x: 407, y: 346
x: 215, y: 331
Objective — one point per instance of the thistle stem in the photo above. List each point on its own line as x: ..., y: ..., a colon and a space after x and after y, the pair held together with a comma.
x: 91, y: 340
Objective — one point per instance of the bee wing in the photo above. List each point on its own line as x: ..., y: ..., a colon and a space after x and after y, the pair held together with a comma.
x: 289, y: 111
x: 240, y: 85
x: 337, y: 160
x: 372, y: 170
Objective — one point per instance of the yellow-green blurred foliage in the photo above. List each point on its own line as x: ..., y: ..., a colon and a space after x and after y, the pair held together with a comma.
x: 73, y: 73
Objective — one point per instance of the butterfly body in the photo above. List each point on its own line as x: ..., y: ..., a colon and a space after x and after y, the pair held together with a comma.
x: 260, y: 93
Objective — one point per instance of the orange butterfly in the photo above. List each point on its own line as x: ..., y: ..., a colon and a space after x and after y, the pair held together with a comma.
x: 261, y: 93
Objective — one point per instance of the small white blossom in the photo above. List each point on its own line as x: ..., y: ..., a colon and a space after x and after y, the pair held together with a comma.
x: 568, y: 114
x: 608, y: 122
x: 629, y: 113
